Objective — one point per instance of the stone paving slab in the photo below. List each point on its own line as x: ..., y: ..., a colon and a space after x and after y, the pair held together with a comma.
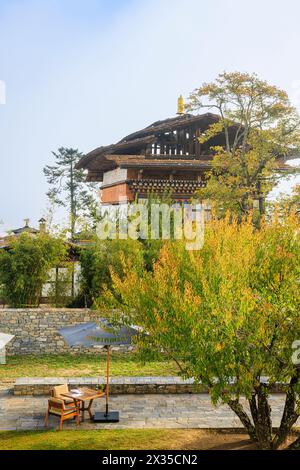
x: 136, y: 411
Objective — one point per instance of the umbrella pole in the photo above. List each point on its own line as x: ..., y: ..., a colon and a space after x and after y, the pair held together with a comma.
x: 105, y: 416
x: 107, y: 378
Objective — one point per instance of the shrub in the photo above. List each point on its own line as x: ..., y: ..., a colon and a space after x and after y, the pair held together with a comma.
x: 25, y: 268
x: 100, y: 258
x: 59, y: 292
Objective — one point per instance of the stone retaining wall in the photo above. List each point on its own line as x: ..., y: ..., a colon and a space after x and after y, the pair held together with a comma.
x: 36, y: 330
x: 117, y: 385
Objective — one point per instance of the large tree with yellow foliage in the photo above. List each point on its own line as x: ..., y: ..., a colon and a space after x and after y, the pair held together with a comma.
x: 260, y: 127
x: 228, y: 314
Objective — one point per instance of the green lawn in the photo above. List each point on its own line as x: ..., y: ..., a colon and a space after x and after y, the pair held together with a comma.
x: 123, y: 439
x: 115, y: 439
x: 83, y: 365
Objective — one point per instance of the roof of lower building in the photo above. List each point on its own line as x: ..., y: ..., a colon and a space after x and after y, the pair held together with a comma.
x: 142, y: 161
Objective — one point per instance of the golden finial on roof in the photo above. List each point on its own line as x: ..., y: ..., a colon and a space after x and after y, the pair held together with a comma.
x: 180, y: 105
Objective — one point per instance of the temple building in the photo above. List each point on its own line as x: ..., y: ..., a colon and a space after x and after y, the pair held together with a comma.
x: 164, y: 158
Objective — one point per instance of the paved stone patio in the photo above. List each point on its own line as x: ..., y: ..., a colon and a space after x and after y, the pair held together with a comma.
x: 136, y: 411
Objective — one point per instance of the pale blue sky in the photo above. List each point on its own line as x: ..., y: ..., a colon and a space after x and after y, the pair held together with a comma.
x: 85, y: 73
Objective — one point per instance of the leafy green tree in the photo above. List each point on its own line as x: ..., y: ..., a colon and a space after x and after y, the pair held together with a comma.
x: 228, y: 314
x: 24, y: 269
x: 260, y: 126
x: 99, y: 258
x: 68, y: 187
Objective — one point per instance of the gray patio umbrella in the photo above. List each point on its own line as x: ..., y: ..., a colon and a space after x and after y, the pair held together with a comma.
x: 4, y: 339
x: 102, y: 334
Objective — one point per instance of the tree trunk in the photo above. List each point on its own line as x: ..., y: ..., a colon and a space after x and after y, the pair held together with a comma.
x: 261, y: 431
x: 264, y: 423
x: 253, y: 408
x: 289, y: 416
x: 73, y: 215
x: 239, y: 411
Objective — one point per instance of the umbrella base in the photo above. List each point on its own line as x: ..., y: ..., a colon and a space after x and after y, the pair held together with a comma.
x: 110, y: 417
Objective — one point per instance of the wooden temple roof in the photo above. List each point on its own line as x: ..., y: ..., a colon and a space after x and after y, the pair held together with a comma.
x: 99, y: 160
x: 171, y: 124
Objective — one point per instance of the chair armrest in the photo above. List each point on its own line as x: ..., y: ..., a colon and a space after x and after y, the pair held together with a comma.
x: 56, y: 401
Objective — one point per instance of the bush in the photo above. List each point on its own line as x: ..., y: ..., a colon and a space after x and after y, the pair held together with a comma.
x: 102, y: 257
x: 59, y: 293
x: 25, y: 268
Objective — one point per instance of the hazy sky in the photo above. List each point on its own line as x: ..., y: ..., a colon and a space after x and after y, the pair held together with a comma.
x: 84, y: 73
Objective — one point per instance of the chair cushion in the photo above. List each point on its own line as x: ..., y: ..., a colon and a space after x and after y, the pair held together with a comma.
x: 57, y: 391
x: 57, y: 412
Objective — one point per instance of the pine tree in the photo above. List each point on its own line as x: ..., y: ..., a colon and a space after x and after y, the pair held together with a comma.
x: 68, y: 188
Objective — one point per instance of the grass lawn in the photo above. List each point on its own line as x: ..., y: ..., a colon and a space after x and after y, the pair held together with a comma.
x: 124, y: 439
x: 84, y: 365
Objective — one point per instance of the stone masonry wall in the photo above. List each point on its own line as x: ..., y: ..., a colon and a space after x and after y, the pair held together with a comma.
x: 36, y: 330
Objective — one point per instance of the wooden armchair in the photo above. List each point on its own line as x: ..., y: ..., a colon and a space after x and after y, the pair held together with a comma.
x: 57, y: 407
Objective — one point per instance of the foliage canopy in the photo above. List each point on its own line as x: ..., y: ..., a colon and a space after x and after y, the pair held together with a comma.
x: 260, y: 127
